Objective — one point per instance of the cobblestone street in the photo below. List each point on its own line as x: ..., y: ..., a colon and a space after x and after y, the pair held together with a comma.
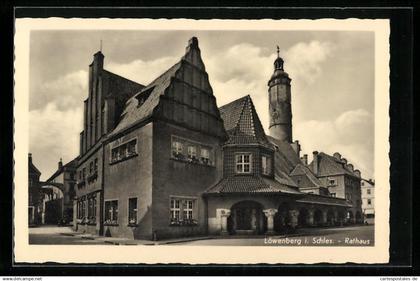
x: 342, y: 236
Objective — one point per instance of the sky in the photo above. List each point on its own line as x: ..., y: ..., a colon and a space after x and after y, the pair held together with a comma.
x: 332, y: 76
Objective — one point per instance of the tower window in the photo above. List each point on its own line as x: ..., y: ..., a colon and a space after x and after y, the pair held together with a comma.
x: 243, y: 163
x: 266, y: 165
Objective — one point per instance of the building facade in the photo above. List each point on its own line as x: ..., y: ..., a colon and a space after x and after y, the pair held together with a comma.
x: 163, y: 160
x: 59, y: 193
x: 368, y: 200
x: 34, y: 194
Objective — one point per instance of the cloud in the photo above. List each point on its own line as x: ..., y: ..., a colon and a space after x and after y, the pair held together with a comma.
x: 53, y: 134
x: 141, y: 71
x: 351, y: 134
x: 66, y: 91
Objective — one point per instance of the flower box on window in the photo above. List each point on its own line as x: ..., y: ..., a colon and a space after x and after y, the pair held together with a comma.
x: 92, y: 177
x: 132, y: 222
x: 110, y: 222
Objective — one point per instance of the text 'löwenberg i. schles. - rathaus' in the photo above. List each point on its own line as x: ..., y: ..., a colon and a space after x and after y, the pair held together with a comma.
x: 162, y: 161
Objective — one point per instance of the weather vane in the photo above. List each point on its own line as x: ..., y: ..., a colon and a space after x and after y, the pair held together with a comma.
x: 100, y: 46
x: 278, y: 51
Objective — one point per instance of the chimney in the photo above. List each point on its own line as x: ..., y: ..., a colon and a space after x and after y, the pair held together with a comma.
x: 296, y: 147
x: 30, y: 157
x: 337, y: 155
x: 304, y: 159
x: 60, y: 164
x: 315, y: 162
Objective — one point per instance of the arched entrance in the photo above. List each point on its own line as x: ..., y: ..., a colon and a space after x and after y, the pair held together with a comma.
x: 330, y: 217
x: 282, y: 218
x: 359, y: 217
x: 341, y: 217
x: 350, y: 217
x: 318, y: 217
x: 247, y: 217
x: 303, y: 217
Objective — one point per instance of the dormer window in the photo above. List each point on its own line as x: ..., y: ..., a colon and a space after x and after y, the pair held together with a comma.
x: 243, y: 163
x: 266, y: 165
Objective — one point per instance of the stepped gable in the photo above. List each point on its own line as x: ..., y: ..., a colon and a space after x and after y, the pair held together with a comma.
x: 189, y: 73
x: 250, y: 184
x: 242, y: 123
x: 329, y: 165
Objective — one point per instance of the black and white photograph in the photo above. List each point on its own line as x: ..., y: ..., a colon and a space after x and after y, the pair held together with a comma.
x: 237, y: 135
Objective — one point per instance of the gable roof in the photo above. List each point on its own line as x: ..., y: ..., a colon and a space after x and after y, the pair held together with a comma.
x: 71, y: 164
x: 329, y: 165
x: 250, y: 184
x: 302, y: 170
x: 242, y: 123
x: 33, y: 169
x: 135, y: 112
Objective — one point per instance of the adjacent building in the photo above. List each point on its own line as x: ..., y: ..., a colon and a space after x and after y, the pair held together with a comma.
x: 59, y: 192
x: 162, y: 160
x: 368, y: 200
x: 34, y: 193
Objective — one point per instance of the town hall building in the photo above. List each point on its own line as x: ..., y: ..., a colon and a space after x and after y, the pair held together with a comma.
x: 162, y: 160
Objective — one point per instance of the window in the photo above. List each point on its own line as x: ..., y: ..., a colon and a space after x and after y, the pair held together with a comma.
x: 243, y: 163
x: 183, y: 211
x: 363, y: 184
x: 91, y: 168
x: 132, y: 211
x: 266, y: 165
x: 205, y: 156
x: 369, y: 201
x: 192, y: 152
x: 124, y: 151
x: 368, y: 191
x: 84, y: 173
x: 177, y: 148
x: 96, y: 164
x: 188, y: 209
x: 348, y: 196
x: 111, y: 212
x: 332, y: 182
x: 333, y: 194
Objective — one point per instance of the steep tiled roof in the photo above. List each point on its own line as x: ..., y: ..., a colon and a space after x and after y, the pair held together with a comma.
x: 329, y: 165
x: 285, y: 159
x: 250, y: 184
x: 301, y: 169
x: 242, y: 123
x: 134, y: 113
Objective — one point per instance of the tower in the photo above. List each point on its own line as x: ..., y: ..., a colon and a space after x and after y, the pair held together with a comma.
x: 280, y: 108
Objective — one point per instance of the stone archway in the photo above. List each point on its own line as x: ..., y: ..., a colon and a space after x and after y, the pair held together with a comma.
x: 350, y: 217
x: 303, y: 218
x: 359, y: 217
x: 341, y: 217
x: 282, y: 218
x: 318, y: 220
x: 247, y: 217
x: 330, y: 217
